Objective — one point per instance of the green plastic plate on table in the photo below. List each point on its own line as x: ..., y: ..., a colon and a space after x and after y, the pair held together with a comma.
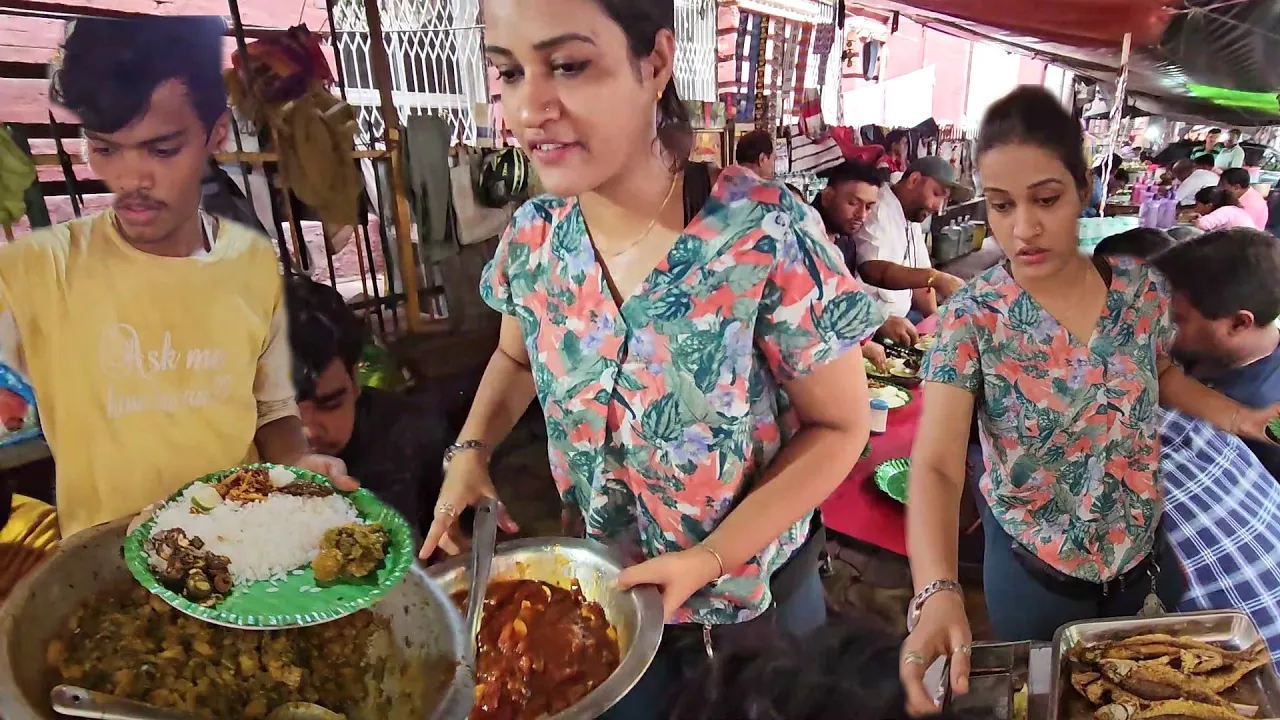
x: 866, y: 451
x: 297, y: 600
x: 1273, y: 429
x: 891, y: 478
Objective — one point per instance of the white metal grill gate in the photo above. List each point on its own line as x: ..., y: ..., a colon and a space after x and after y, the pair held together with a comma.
x: 695, y: 69
x: 437, y: 64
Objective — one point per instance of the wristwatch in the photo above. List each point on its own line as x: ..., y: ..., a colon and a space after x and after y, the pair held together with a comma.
x: 463, y: 446
x: 916, y: 606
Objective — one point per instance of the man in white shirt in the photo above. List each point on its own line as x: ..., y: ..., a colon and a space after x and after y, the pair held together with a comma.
x: 1195, y: 176
x: 891, y: 253
x: 1231, y: 155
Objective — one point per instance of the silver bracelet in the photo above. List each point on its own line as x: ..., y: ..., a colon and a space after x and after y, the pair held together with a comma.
x: 916, y: 606
x: 464, y: 446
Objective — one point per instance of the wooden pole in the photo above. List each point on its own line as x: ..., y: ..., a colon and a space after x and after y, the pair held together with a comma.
x: 381, y: 66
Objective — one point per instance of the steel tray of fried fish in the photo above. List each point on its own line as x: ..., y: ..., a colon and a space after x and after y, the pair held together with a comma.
x: 1229, y: 629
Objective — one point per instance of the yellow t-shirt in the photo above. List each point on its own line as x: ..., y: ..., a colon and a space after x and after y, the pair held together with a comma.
x: 143, y: 366
x: 26, y: 540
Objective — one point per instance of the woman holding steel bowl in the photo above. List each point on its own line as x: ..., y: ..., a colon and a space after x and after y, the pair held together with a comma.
x: 695, y: 349
x: 1065, y: 358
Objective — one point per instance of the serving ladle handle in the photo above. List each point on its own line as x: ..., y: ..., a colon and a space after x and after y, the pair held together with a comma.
x: 79, y: 702
x: 483, y: 538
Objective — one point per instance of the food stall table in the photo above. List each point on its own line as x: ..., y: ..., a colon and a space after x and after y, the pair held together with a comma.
x: 857, y: 508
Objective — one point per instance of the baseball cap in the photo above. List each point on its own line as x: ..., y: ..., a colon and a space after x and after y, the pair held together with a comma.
x: 936, y: 168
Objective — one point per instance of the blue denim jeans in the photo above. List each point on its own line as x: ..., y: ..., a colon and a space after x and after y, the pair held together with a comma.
x: 1021, y: 608
x: 802, y: 613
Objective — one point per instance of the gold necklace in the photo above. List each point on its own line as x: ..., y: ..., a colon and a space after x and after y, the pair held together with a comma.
x: 670, y: 191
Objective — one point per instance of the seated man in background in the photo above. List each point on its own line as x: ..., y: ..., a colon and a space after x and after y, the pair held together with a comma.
x: 891, y: 253
x: 1221, y: 510
x: 1194, y: 176
x: 392, y: 442
x: 1225, y: 304
x: 754, y: 151
x: 1239, y: 185
x: 849, y: 197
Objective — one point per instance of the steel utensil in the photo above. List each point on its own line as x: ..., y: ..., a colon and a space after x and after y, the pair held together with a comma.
x: 78, y: 702
x: 484, y: 537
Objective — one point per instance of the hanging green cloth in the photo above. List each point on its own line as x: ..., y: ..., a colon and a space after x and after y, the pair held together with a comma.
x: 17, y: 177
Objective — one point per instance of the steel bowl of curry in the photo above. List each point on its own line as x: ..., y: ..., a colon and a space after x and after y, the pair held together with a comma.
x: 82, y: 620
x: 557, y: 639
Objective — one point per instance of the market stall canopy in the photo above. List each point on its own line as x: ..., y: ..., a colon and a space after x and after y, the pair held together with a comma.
x: 1216, y: 60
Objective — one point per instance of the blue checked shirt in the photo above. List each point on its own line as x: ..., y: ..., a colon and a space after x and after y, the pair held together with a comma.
x: 1222, y: 513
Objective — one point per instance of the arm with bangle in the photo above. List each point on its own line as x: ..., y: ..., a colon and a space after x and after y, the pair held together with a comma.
x: 505, y: 391
x: 937, y: 617
x: 1181, y: 392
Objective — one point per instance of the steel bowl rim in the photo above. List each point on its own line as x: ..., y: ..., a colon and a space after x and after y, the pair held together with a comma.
x: 643, y: 649
x: 456, y: 701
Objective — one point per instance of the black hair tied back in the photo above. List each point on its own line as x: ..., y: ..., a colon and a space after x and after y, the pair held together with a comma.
x: 1032, y: 116
x: 641, y: 21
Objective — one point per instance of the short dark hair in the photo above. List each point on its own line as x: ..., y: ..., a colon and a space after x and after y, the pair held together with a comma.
x: 1214, y: 131
x: 321, y: 329
x: 1214, y: 197
x: 1226, y: 271
x: 894, y: 137
x: 1142, y: 243
x: 850, y: 171
x: 111, y: 67
x: 753, y: 146
x: 1236, y: 177
x: 1204, y: 160
x: 1032, y: 115
x: 843, y: 666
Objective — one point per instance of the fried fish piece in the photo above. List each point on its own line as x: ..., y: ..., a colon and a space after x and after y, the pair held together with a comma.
x: 1227, y: 677
x: 1160, y: 682
x: 1166, y: 710
x: 1182, y: 643
x: 1101, y: 691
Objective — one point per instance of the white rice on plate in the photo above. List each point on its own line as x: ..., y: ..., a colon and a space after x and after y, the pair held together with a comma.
x: 264, y: 540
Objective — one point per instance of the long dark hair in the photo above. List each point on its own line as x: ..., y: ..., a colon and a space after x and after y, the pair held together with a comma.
x: 641, y: 20
x: 1033, y: 116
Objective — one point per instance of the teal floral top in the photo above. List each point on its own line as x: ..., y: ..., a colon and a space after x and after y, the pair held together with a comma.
x: 1068, y: 425
x: 662, y: 414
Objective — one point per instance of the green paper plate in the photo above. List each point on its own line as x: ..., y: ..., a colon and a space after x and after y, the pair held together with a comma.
x: 866, y: 451
x: 891, y: 478
x: 295, y: 601
x: 1273, y: 429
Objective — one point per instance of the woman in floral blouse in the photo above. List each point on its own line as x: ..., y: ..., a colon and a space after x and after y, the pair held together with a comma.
x: 1066, y: 360
x: 699, y: 371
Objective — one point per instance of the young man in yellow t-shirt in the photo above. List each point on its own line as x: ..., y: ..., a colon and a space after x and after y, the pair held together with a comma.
x: 153, y: 334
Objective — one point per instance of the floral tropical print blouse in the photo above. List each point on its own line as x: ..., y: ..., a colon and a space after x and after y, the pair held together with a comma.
x: 1068, y: 425
x: 663, y: 413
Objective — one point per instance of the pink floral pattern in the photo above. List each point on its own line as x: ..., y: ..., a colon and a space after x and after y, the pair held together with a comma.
x: 1068, y: 428
x: 664, y: 412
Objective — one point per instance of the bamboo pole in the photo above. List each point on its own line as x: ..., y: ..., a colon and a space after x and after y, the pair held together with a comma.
x: 381, y: 66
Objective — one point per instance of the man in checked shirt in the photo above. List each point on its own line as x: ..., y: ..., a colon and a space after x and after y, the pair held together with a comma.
x: 1221, y: 508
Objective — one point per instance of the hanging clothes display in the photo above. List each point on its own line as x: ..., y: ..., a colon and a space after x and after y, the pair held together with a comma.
x: 785, y: 93
x: 741, y: 64
x: 33, y: 198
x: 282, y: 82
x: 777, y: 62
x: 871, y: 59
x: 760, y: 116
x: 802, y: 64
x: 428, y: 185
x: 811, y: 156
x: 824, y: 40
x: 17, y: 173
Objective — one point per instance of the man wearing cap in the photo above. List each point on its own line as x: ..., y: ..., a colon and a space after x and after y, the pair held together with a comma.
x: 891, y: 253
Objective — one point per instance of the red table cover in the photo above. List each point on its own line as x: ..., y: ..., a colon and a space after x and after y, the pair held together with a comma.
x: 857, y: 508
